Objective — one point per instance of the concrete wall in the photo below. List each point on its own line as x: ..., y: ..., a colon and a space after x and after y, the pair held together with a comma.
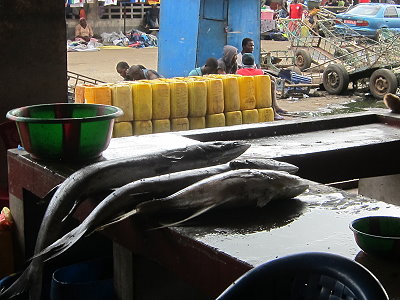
x: 32, y: 57
x: 107, y: 19
x: 382, y: 188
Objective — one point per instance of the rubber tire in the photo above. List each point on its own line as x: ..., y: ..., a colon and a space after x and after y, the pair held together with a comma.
x: 302, y: 59
x: 341, y: 79
x: 381, y: 82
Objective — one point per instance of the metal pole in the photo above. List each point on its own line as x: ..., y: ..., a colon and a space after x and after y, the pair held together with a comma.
x: 124, y: 4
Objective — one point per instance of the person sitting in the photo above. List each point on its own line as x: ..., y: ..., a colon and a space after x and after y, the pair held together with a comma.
x: 227, y: 64
x: 138, y: 72
x: 247, y: 47
x: 122, y: 69
x: 249, y: 69
x: 211, y: 67
x: 281, y: 11
x: 151, y: 18
x: 83, y: 31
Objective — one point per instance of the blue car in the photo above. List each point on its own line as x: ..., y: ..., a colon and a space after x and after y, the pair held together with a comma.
x: 367, y: 18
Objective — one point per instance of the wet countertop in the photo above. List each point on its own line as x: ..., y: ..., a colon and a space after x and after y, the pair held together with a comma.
x: 326, y: 149
x: 322, y: 140
x: 317, y: 220
x: 299, y: 137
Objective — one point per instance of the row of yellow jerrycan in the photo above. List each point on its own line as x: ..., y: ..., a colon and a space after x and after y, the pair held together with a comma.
x: 183, y: 103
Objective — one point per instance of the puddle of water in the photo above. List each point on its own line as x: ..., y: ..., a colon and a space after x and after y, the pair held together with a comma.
x: 356, y: 105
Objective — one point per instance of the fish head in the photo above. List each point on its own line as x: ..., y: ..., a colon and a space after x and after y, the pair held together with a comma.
x: 266, y: 185
x: 228, y: 149
x: 264, y: 163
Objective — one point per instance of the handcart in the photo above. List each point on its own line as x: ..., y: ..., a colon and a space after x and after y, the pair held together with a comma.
x: 340, y: 59
x: 289, y: 80
x: 74, y: 78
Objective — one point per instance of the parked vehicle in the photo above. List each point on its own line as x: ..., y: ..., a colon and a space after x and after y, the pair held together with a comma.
x: 367, y: 18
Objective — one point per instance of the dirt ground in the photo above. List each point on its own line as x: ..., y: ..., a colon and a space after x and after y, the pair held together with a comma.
x: 101, y: 65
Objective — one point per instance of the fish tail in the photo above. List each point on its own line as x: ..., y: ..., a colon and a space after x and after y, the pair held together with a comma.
x: 18, y: 287
x: 61, y: 245
x: 116, y: 220
x: 196, y: 214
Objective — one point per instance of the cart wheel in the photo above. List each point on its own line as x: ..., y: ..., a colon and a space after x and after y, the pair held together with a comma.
x: 335, y: 79
x: 381, y: 82
x: 303, y: 59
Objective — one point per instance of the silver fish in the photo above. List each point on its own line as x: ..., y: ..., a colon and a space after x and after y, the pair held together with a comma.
x: 110, y: 174
x: 268, y: 164
x: 232, y: 189
x: 130, y: 195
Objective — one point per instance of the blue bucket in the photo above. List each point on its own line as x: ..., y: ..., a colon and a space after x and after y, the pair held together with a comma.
x: 86, y: 280
x: 7, y: 281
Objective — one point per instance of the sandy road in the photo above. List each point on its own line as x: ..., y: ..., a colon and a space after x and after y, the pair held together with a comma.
x: 101, y: 64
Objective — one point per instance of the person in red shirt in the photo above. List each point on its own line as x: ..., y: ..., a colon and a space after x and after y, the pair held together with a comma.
x: 296, y: 10
x: 250, y: 69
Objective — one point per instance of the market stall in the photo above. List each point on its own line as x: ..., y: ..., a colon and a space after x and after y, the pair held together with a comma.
x: 221, y: 248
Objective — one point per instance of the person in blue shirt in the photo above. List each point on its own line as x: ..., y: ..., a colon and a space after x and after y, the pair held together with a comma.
x: 210, y: 67
x: 281, y: 11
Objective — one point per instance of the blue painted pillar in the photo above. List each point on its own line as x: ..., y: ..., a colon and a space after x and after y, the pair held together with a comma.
x: 244, y: 22
x: 179, y: 25
x: 193, y: 30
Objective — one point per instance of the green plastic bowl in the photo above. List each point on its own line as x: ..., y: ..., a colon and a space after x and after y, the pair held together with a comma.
x: 65, y: 131
x: 378, y: 235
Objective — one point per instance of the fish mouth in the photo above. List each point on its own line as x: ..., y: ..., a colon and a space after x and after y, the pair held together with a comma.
x: 293, y: 191
x: 225, y: 146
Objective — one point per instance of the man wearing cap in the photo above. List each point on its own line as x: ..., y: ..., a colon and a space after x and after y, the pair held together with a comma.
x: 249, y: 69
x: 83, y: 31
x: 248, y: 66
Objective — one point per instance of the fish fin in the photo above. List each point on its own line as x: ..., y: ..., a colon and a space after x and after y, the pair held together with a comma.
x: 115, y: 220
x: 18, y: 287
x: 46, y: 199
x: 75, y: 206
x: 72, y: 210
x: 196, y: 214
x: 175, y: 155
x: 264, y: 201
x: 138, y: 194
